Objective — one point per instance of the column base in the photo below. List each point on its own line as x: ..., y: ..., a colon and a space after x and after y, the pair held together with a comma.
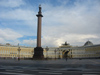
x: 38, y: 53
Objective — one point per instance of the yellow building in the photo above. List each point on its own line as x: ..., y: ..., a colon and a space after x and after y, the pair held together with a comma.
x: 52, y: 52
x: 88, y: 50
x: 8, y: 51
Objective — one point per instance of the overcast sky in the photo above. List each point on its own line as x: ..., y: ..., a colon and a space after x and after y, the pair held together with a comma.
x: 74, y: 21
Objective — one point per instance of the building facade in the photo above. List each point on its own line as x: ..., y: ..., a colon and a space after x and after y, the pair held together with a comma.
x: 8, y: 51
x: 88, y: 50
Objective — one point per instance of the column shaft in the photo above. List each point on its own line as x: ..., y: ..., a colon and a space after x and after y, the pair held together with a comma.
x: 39, y: 32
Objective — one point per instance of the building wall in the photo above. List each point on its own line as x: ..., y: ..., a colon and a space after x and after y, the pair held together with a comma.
x: 25, y: 52
x: 53, y: 52
x: 78, y: 52
x: 12, y: 52
x: 92, y: 51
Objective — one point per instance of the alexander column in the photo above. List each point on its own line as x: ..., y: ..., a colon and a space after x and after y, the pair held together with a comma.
x: 38, y: 51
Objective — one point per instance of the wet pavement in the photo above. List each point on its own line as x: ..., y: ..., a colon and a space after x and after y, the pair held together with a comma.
x: 50, y: 67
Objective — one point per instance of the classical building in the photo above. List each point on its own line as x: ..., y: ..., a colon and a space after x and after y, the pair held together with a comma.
x: 52, y: 52
x: 88, y: 50
x: 9, y: 51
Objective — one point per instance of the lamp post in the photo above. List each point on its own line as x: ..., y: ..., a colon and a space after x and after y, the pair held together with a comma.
x: 55, y: 53
x: 19, y: 53
x: 59, y: 52
x: 46, y: 51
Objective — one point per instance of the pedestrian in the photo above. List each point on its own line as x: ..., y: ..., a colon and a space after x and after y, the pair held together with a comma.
x: 66, y: 58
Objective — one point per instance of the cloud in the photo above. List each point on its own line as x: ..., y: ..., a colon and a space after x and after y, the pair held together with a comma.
x: 8, y: 35
x: 21, y: 20
x: 75, y: 24
x: 18, y: 14
x: 73, y: 39
x: 1, y: 40
x: 73, y: 21
x: 30, y: 42
x: 17, y: 10
x: 26, y: 17
x: 11, y: 3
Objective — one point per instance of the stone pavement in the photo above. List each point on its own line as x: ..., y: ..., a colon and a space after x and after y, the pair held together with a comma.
x: 50, y: 67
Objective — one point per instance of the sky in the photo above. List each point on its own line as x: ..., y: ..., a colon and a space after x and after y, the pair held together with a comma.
x: 74, y: 21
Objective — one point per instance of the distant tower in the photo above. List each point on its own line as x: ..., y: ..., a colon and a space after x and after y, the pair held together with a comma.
x: 38, y: 51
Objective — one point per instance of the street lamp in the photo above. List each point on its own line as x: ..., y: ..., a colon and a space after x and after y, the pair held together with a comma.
x: 46, y: 51
x: 18, y: 52
x: 55, y: 53
x: 59, y: 52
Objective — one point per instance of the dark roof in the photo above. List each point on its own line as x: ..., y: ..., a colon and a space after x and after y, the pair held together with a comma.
x: 88, y: 43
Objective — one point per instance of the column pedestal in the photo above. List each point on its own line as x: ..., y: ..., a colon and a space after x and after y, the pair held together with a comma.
x: 38, y: 53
